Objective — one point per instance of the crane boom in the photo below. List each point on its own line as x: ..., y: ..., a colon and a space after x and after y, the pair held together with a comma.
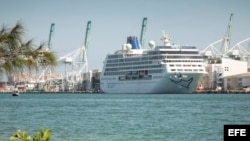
x: 52, y: 28
x: 227, y: 37
x: 87, y: 34
x: 143, y: 30
x: 86, y: 42
x: 230, y: 29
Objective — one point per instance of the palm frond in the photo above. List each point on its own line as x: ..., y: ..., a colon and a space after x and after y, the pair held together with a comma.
x: 42, y: 47
x: 27, y: 46
x: 18, y: 31
x: 49, y: 59
x: 3, y: 33
x: 17, y: 55
x: 3, y: 30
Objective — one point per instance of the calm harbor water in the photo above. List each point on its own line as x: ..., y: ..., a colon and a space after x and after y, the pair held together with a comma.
x: 124, y: 117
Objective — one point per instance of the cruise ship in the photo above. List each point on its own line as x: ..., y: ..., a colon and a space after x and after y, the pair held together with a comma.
x: 166, y: 69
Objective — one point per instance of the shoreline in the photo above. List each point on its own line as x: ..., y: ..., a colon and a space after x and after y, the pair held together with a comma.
x: 84, y: 92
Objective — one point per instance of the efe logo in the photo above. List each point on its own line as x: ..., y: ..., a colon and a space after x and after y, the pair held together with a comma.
x: 236, y: 132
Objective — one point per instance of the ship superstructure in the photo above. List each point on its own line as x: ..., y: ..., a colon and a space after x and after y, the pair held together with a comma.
x: 161, y: 69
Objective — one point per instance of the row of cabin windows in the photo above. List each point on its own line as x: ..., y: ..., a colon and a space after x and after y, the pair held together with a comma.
x: 133, y: 67
x: 115, y: 56
x: 184, y: 65
x: 187, y: 57
x: 126, y: 72
x: 135, y: 59
x: 172, y: 52
x: 166, y: 61
x: 185, y: 70
x: 127, y: 64
x: 179, y: 47
x: 179, y: 52
x: 144, y: 61
x: 155, y: 58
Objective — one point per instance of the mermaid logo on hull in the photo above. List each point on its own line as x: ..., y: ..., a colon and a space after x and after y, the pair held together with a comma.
x: 181, y: 80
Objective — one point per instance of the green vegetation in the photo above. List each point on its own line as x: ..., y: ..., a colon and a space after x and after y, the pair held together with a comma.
x: 42, y: 135
x: 17, y: 55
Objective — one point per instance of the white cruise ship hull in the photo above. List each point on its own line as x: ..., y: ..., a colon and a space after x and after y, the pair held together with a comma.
x: 167, y: 83
x: 167, y: 69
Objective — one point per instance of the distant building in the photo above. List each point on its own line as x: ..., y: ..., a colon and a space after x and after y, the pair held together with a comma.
x: 237, y: 82
x: 91, y: 81
x: 219, y: 69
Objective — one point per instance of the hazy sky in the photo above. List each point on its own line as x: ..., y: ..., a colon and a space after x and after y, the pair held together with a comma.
x: 188, y: 22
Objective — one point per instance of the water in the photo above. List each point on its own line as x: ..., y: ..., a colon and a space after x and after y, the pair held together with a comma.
x: 124, y: 117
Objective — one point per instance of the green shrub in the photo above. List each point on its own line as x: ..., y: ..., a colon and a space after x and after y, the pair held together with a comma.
x: 42, y: 135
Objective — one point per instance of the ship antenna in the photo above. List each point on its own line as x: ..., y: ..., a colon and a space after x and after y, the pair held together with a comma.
x: 165, y: 38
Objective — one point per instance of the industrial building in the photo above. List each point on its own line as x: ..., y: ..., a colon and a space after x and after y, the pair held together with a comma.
x: 219, y: 72
x: 91, y: 82
x: 227, y: 67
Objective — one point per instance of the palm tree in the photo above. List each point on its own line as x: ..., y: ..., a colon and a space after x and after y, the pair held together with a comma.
x: 17, y: 55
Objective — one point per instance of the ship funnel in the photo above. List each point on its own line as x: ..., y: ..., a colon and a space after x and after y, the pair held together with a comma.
x: 133, y: 41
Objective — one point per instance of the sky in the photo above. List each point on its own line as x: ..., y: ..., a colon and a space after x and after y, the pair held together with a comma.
x: 187, y: 22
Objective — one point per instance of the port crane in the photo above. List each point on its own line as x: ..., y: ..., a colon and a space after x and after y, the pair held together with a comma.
x: 143, y: 31
x: 227, y: 37
x: 52, y: 28
x: 41, y: 76
x: 78, y: 61
x: 212, y: 51
x: 240, y: 51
